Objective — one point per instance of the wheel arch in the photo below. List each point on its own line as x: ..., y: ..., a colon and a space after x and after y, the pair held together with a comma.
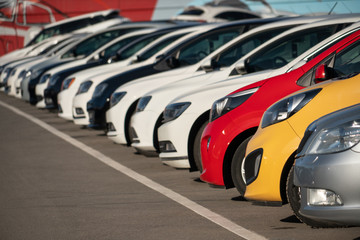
x: 228, y: 182
x: 128, y: 115
x: 284, y: 176
x: 190, y: 143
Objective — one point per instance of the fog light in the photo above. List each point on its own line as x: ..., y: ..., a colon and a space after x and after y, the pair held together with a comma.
x: 166, y: 146
x: 323, y: 197
x: 79, y: 111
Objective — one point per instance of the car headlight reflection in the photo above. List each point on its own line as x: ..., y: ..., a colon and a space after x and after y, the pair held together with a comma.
x: 228, y: 103
x: 336, y: 139
x: 143, y: 102
x: 287, y: 107
x: 84, y: 87
x: 116, y: 97
x: 173, y: 111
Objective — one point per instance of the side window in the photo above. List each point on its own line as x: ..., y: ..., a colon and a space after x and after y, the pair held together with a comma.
x: 200, y: 48
x: 287, y: 49
x: 115, y: 47
x: 348, y: 61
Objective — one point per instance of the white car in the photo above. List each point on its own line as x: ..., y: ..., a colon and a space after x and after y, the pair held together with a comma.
x: 274, y: 54
x: 125, y: 98
x: 99, y: 57
x: 87, y: 84
x: 125, y: 57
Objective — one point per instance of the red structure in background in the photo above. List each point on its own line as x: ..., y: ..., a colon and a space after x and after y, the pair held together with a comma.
x: 17, y: 16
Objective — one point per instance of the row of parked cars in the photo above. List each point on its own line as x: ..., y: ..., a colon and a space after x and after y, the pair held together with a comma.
x: 269, y: 106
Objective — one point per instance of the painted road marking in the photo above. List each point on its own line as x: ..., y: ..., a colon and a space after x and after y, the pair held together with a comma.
x: 193, y: 206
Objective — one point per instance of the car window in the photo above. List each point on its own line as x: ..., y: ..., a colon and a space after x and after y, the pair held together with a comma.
x: 344, y: 63
x: 157, y: 47
x: 286, y: 49
x: 203, y: 46
x: 88, y: 46
x: 244, y: 46
x: 348, y: 60
x: 131, y: 50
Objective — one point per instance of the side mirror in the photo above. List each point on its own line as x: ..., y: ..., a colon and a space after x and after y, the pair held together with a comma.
x: 207, y: 66
x: 323, y: 73
x: 240, y: 68
x: 172, y: 62
x: 111, y: 59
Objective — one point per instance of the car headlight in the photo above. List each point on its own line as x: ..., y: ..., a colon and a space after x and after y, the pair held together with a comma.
x: 335, y: 139
x: 35, y: 74
x: 67, y: 83
x: 173, y: 111
x: 13, y: 72
x: 99, y: 90
x: 287, y: 107
x: 28, y: 74
x: 22, y: 74
x: 228, y: 103
x: 143, y: 102
x: 116, y: 97
x: 44, y: 78
x: 53, y: 80
x: 84, y: 87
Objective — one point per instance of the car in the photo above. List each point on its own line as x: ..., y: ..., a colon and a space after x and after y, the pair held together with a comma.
x: 152, y: 104
x: 78, y: 51
x: 55, y: 76
x: 186, y: 52
x: 85, y: 83
x: 325, y: 186
x: 126, y: 96
x: 270, y: 152
x: 224, y: 139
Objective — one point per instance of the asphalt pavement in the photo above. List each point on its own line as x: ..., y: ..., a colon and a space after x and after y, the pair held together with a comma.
x: 62, y: 181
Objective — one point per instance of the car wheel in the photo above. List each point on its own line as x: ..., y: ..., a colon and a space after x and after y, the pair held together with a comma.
x: 237, y: 173
x: 197, y: 146
x: 294, y: 198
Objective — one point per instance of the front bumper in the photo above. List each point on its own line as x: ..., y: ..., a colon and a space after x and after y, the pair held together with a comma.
x: 277, y: 142
x: 143, y: 125
x: 339, y: 173
x: 80, y: 114
x: 65, y: 100
x: 176, y: 133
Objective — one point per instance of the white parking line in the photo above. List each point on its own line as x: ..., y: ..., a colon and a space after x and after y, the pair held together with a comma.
x: 193, y: 206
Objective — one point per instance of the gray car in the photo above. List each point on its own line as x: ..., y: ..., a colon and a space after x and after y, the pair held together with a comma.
x: 327, y: 170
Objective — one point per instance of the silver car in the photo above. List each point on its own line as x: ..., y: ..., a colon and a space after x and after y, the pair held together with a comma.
x: 327, y: 171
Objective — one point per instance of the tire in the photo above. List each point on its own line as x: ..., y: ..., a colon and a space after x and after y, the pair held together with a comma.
x: 294, y: 198
x: 236, y: 172
x: 197, y: 147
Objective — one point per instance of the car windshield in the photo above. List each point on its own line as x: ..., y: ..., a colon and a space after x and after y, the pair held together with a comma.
x: 200, y: 48
x: 283, y: 51
x: 244, y: 46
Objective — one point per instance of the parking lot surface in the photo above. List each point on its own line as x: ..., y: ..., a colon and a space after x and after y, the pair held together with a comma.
x: 61, y: 181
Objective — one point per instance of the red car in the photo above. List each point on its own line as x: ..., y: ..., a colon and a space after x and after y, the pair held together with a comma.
x: 231, y: 126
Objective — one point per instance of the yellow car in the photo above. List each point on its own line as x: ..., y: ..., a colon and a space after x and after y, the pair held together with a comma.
x: 270, y: 153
